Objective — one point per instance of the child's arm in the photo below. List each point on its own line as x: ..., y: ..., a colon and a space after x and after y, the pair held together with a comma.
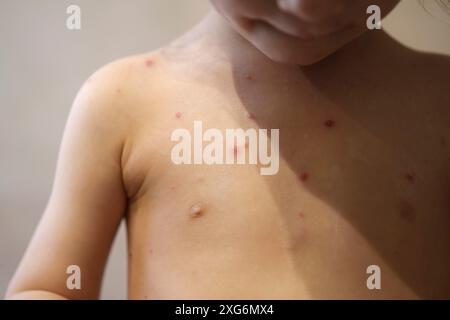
x: 87, y: 203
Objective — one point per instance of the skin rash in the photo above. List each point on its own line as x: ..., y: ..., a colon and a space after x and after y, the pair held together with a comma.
x: 307, y: 229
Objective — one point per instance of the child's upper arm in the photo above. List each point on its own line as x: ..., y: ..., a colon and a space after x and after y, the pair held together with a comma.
x: 88, y: 198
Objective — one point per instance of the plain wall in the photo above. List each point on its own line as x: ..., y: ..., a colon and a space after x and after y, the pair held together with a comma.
x: 42, y: 65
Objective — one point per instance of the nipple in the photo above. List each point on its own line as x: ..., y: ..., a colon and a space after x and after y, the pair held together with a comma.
x: 196, y: 211
x: 407, y: 212
x: 330, y: 123
x: 410, y: 177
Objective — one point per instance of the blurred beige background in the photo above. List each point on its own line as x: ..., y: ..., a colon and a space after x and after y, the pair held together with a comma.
x: 42, y: 65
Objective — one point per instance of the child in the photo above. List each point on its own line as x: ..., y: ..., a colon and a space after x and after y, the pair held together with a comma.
x: 358, y: 208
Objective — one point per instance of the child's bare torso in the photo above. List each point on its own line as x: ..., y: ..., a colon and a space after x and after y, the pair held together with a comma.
x: 364, y: 179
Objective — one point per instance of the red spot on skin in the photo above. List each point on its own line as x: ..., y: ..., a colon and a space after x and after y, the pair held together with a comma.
x: 172, y: 188
x: 248, y: 77
x: 235, y: 150
x: 303, y: 177
x: 410, y: 177
x: 330, y: 123
x: 149, y: 62
x: 251, y: 116
x: 301, y: 215
x: 178, y: 115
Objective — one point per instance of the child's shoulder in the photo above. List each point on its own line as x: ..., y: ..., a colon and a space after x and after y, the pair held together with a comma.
x: 128, y: 78
x: 114, y: 100
x: 127, y: 86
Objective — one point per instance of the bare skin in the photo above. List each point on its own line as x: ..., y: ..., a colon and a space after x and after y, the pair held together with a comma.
x: 364, y: 176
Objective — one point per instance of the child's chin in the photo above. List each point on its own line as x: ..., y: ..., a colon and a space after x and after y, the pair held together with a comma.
x: 294, y: 55
x: 300, y: 59
x: 305, y: 52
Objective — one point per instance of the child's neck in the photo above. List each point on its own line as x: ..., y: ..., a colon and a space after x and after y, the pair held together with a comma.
x: 222, y: 41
